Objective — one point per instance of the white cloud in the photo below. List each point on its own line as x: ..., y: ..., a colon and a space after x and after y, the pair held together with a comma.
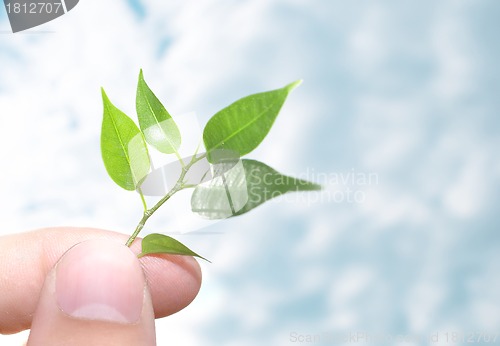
x: 467, y: 194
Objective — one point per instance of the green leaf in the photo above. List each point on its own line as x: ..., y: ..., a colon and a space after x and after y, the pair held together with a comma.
x: 156, y: 123
x: 123, y: 148
x: 243, y: 125
x: 159, y: 243
x: 242, y: 188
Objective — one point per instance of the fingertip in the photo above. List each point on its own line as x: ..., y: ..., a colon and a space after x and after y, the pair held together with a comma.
x: 100, y: 280
x: 98, y: 286
x: 174, y: 281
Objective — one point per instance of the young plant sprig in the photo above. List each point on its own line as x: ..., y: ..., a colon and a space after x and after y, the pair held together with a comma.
x: 233, y: 186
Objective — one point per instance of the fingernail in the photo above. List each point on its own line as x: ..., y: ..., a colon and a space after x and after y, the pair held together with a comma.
x: 100, y: 280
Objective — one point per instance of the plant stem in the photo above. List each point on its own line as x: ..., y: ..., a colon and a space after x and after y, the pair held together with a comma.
x: 180, y: 159
x: 179, y: 185
x: 144, y: 204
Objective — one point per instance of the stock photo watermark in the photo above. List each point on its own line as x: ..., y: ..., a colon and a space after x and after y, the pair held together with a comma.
x: 362, y: 337
x: 226, y: 185
x: 27, y: 14
x: 239, y: 186
x: 234, y: 184
x: 348, y: 186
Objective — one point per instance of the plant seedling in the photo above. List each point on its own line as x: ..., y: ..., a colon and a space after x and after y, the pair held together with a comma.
x: 231, y: 186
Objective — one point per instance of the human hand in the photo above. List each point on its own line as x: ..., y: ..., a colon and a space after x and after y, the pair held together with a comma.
x: 94, y: 293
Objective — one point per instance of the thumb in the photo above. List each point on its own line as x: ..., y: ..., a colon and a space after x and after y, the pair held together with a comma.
x: 95, y: 295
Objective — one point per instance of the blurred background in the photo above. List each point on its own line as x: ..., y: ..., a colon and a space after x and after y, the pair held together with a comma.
x: 398, y: 118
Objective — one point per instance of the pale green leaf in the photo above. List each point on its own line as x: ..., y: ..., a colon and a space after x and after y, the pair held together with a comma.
x: 159, y: 243
x: 123, y: 148
x: 242, y: 188
x: 156, y: 123
x: 243, y: 125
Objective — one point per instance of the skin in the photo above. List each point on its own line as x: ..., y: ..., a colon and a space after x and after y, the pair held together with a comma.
x: 31, y: 261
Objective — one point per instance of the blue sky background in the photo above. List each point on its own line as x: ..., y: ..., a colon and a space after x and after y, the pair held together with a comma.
x: 406, y: 92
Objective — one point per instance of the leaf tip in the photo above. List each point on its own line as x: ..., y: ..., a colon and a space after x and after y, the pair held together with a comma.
x: 293, y: 85
x: 201, y: 257
x: 104, y: 96
x: 310, y: 186
x: 316, y: 187
x: 206, y: 259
